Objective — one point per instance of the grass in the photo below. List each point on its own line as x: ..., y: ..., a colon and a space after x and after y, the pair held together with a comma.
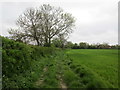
x: 102, y: 63
x: 26, y: 66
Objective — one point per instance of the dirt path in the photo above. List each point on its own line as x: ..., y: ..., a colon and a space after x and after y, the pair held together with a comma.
x: 58, y: 74
x: 61, y: 82
x: 40, y: 81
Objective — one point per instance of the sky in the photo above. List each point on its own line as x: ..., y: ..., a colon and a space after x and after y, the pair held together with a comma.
x: 96, y: 20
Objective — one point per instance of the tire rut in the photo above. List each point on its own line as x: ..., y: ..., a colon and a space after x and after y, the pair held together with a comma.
x: 41, y: 80
x: 62, y: 84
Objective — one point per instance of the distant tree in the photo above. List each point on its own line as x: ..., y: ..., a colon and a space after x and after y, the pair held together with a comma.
x: 43, y: 24
x: 59, y: 41
x: 69, y: 44
x: 75, y: 46
x: 106, y: 45
x: 103, y: 46
x: 83, y: 45
x: 117, y: 46
x: 62, y: 39
x: 93, y: 46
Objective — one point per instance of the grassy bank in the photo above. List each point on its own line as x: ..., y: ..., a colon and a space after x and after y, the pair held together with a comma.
x: 23, y: 64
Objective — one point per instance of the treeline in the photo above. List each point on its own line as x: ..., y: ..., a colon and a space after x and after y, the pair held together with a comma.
x: 63, y: 43
x: 84, y: 45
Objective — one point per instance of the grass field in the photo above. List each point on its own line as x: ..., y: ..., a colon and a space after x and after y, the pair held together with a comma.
x: 100, y: 62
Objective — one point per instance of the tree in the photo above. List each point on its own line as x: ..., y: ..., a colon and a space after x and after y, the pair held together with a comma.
x: 93, y: 46
x: 103, y: 46
x: 69, y: 44
x: 62, y: 39
x: 83, y: 45
x: 56, y: 42
x: 75, y: 46
x: 43, y: 24
x: 59, y: 41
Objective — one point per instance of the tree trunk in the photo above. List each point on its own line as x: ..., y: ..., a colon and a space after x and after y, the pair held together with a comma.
x: 46, y: 42
x: 38, y: 43
x: 49, y: 42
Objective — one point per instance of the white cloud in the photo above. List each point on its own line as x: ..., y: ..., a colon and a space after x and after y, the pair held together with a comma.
x: 96, y: 20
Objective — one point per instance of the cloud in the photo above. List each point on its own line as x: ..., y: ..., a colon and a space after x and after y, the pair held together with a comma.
x: 96, y: 20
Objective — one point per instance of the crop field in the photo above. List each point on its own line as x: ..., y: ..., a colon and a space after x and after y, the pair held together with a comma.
x: 102, y: 63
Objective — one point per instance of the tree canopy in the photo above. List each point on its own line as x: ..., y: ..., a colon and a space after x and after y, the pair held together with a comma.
x: 43, y: 24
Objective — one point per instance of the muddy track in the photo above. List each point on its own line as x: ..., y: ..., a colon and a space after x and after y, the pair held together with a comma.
x: 40, y: 81
x: 58, y: 65
x: 61, y: 82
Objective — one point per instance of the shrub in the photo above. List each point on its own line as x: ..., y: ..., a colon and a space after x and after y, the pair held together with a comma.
x: 17, y: 59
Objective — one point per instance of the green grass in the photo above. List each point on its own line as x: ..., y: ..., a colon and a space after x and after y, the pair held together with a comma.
x: 28, y: 66
x: 102, y: 63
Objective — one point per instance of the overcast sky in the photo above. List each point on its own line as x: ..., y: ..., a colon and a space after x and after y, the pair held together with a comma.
x: 96, y: 20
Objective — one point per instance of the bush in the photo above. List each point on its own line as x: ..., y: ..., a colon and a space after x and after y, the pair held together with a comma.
x: 19, y: 58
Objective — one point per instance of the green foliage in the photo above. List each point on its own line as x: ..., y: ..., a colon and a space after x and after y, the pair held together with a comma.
x: 71, y: 79
x: 20, y: 63
x: 14, y: 57
x: 23, y: 65
x: 69, y: 44
x: 83, y: 45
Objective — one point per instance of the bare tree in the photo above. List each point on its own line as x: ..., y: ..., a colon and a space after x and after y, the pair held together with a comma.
x: 44, y: 23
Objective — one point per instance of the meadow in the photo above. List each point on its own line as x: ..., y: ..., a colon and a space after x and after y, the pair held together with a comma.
x: 103, y: 63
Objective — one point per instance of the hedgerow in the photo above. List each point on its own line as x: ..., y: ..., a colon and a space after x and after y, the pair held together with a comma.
x: 19, y: 58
